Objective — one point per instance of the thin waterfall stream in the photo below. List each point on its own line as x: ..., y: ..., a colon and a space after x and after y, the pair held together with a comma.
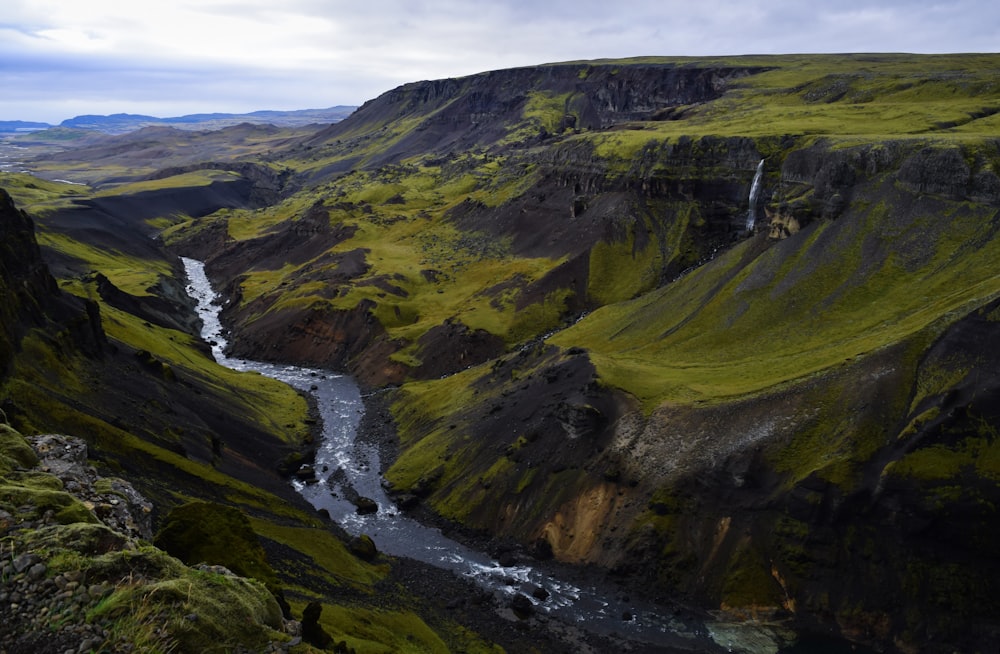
x: 754, y: 195
x: 345, y: 465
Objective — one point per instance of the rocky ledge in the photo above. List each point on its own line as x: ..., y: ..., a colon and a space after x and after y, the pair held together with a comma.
x: 79, y: 575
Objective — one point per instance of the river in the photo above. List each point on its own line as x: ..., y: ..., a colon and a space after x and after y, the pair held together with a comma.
x: 344, y: 462
x: 10, y: 157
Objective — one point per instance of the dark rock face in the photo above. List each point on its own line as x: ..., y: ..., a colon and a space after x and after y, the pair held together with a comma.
x: 312, y: 631
x: 452, y: 346
x: 338, y: 340
x: 24, y: 280
x: 30, y: 297
x: 293, y: 241
x: 156, y: 309
x: 936, y: 170
x: 474, y: 110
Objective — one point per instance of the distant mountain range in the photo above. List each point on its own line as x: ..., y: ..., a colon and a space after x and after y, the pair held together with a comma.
x: 121, y: 123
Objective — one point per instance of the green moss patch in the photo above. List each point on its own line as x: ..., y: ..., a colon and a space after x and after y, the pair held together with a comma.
x: 329, y: 555
x: 15, y: 452
x: 188, y: 609
x: 374, y: 630
x: 219, y: 535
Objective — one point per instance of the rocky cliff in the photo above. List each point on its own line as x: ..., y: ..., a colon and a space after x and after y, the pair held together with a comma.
x: 31, y: 297
x: 456, y: 115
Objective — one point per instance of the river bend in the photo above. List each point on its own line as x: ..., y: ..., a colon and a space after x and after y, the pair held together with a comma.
x: 345, y: 465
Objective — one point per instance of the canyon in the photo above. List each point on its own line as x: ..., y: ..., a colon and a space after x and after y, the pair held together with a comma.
x: 718, y: 329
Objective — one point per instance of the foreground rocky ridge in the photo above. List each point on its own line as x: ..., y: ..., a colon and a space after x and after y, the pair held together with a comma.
x: 79, y: 576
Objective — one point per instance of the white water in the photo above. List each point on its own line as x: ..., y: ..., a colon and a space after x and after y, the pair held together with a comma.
x: 754, y: 193
x: 340, y: 405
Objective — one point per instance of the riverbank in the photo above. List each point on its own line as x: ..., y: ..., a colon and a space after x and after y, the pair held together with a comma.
x: 470, y: 604
x: 445, y: 597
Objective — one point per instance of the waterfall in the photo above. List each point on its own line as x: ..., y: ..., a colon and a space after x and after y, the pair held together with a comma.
x: 754, y: 192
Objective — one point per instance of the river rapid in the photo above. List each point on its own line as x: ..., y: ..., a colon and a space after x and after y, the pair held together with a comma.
x: 347, y: 467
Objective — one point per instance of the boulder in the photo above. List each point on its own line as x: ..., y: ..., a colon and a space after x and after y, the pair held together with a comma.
x: 312, y: 632
x: 522, y: 606
x: 366, y: 506
x: 364, y: 548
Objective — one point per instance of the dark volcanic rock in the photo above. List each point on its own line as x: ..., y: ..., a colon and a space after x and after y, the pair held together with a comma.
x: 936, y: 170
x: 522, y: 606
x: 474, y: 110
x: 29, y: 296
x: 312, y: 632
x: 363, y: 547
x: 366, y: 506
x: 452, y: 346
x: 152, y: 308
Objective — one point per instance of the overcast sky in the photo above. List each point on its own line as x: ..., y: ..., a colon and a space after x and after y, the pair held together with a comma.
x: 62, y: 58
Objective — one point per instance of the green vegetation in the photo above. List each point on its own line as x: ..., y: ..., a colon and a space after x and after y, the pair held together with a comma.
x: 14, y: 451
x: 850, y: 96
x: 621, y: 271
x: 156, y: 615
x: 801, y: 363
x: 737, y: 325
x: 137, y: 593
x: 39, y: 194
x: 220, y: 535
x: 332, y: 559
x: 467, y: 271
x: 188, y: 180
x: 129, y: 273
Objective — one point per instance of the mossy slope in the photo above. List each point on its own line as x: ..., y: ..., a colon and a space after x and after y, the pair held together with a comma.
x: 155, y: 408
x: 134, y: 595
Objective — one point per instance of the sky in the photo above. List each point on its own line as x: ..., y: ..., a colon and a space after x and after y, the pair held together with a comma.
x: 63, y: 58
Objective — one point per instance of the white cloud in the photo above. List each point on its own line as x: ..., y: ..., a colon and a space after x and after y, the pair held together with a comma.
x: 235, y: 55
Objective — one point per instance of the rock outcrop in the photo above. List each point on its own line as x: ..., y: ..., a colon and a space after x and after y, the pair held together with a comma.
x: 30, y: 295
x: 77, y: 574
x: 114, y: 501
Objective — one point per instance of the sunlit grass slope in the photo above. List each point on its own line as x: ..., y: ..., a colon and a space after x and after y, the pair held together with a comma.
x: 398, y: 210
x: 753, y: 319
x: 850, y: 97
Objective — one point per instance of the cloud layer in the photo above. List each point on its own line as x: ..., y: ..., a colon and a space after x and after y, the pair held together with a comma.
x: 59, y: 59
